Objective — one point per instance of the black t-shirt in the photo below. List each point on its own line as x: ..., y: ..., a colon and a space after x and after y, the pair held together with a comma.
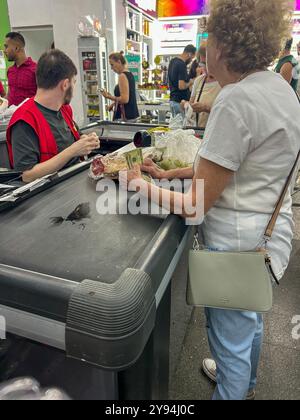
x: 178, y: 71
x: 131, y: 109
x: 26, y: 145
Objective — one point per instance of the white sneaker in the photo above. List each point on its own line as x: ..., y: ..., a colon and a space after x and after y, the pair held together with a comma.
x: 209, y: 368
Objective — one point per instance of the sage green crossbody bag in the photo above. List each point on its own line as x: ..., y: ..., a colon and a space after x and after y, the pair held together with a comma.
x: 239, y: 281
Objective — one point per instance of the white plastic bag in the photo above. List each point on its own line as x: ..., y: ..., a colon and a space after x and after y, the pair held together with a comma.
x: 181, y: 145
x: 176, y: 122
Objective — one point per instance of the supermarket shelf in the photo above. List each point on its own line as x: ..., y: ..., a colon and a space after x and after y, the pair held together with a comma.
x: 134, y: 42
x: 133, y: 53
x: 133, y: 31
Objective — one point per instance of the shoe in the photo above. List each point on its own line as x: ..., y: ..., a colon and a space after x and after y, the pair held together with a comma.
x: 209, y: 368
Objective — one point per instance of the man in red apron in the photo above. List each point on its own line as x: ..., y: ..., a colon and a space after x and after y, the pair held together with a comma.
x: 42, y: 137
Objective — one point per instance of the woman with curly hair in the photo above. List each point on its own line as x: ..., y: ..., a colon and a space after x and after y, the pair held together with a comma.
x: 251, y: 143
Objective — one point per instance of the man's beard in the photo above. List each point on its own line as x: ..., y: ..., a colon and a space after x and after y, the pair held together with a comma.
x: 68, y: 96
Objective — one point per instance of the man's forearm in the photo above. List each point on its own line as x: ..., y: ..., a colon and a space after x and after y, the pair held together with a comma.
x: 51, y: 166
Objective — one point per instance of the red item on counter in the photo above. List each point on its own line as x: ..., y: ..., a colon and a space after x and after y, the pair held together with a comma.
x: 30, y: 114
x: 2, y: 90
x: 98, y: 167
x: 21, y: 82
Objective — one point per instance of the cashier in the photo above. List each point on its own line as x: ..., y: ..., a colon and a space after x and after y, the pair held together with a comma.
x: 42, y: 137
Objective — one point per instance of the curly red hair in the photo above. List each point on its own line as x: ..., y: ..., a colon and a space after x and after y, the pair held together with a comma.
x: 250, y: 32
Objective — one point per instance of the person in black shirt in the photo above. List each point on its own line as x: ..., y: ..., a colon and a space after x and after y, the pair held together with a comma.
x: 124, y: 98
x: 179, y: 80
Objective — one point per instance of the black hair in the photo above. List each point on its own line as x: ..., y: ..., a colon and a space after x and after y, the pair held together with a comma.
x: 190, y: 49
x: 193, y: 71
x: 53, y: 67
x: 289, y: 44
x: 16, y: 36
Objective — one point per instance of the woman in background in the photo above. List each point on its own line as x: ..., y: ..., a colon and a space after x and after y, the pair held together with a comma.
x: 205, y: 91
x: 124, y: 99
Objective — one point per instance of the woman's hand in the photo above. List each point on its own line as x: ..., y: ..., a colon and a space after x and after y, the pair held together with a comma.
x: 106, y: 95
x: 200, y: 107
x: 151, y: 168
x: 130, y: 180
x: 110, y: 108
x: 182, y: 104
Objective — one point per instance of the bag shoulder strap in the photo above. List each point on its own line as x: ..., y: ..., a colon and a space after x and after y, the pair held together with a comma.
x: 272, y: 223
x: 199, y: 97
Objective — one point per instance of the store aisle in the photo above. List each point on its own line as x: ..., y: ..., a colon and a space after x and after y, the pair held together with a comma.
x: 280, y: 366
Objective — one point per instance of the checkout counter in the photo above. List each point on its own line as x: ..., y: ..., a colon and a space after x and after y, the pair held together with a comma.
x: 86, y: 297
x: 113, y: 135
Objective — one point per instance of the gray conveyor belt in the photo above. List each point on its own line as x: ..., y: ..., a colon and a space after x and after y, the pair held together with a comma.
x: 102, y: 242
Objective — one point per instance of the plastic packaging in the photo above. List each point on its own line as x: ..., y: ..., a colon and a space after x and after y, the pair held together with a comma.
x: 179, y: 145
x: 27, y: 389
x: 177, y: 122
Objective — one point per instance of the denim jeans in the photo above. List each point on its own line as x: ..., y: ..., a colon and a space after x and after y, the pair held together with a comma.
x: 176, y: 109
x: 235, y: 340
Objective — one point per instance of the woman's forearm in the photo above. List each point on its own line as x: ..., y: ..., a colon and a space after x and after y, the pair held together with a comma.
x: 183, y: 205
x: 120, y: 99
x: 179, y: 173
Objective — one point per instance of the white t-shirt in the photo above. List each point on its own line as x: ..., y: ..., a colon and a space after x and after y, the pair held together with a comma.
x: 253, y: 130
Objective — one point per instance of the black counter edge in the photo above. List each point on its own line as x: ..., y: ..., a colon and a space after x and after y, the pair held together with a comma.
x: 109, y: 325
x: 35, y: 293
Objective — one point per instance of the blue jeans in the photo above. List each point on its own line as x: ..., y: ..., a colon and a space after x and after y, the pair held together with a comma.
x: 176, y: 109
x: 235, y: 340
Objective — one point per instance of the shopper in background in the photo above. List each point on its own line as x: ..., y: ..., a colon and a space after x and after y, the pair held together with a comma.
x: 251, y: 143
x: 205, y: 91
x: 21, y: 76
x: 288, y: 66
x: 198, y: 67
x: 124, y: 99
x: 179, y: 79
x: 42, y: 137
x: 2, y: 90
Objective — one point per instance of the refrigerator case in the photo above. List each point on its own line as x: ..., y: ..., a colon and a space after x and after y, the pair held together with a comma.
x: 93, y: 60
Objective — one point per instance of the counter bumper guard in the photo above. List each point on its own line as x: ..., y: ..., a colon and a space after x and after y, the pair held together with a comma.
x: 109, y: 325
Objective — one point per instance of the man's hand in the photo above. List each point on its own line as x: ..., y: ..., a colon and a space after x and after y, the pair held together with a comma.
x: 86, y: 145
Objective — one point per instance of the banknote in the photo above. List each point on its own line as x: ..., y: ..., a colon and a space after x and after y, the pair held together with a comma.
x: 134, y: 157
